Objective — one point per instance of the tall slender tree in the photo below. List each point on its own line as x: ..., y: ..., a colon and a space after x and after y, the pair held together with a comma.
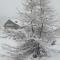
x: 40, y: 14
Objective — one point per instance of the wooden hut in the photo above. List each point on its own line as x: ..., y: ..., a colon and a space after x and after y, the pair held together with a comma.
x: 10, y: 24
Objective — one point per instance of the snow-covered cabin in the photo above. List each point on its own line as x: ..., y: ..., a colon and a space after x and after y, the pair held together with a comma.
x: 15, y: 24
x: 12, y: 25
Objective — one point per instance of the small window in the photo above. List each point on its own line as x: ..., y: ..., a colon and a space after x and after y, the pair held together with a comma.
x: 16, y: 21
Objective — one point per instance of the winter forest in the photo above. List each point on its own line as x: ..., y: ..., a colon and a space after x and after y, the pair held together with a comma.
x: 33, y: 35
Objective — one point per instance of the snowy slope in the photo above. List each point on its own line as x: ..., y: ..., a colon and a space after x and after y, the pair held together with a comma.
x: 54, y: 50
x: 4, y: 40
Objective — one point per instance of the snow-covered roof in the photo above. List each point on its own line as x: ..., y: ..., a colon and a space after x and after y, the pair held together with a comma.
x: 19, y: 22
x: 16, y: 21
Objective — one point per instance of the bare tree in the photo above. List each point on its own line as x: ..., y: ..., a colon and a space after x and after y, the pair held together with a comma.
x: 41, y: 15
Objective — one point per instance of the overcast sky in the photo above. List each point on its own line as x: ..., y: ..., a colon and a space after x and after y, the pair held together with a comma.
x: 8, y: 7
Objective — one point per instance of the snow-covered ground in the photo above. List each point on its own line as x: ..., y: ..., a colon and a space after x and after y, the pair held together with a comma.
x: 4, y: 40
